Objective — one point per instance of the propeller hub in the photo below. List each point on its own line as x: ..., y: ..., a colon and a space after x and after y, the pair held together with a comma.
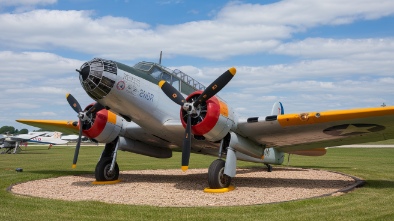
x: 194, y: 106
x: 83, y: 117
x: 188, y: 107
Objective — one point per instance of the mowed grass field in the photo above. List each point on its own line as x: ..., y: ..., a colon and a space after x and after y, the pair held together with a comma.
x: 374, y: 201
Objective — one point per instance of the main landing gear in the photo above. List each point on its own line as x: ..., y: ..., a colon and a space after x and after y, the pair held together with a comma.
x: 220, y: 172
x: 107, y: 169
x: 216, y: 177
x: 269, y: 167
x: 103, y: 170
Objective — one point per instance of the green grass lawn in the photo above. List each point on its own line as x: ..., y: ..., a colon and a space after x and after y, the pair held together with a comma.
x: 372, y: 202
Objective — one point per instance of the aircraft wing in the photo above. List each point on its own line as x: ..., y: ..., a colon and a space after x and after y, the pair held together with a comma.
x: 64, y: 126
x: 26, y: 137
x: 294, y: 133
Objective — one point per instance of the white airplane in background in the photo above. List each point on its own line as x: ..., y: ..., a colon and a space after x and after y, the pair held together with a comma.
x: 71, y: 137
x: 134, y: 114
x: 12, y: 143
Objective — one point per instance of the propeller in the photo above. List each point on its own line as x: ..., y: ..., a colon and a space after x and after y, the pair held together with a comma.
x: 83, y: 117
x: 191, y: 107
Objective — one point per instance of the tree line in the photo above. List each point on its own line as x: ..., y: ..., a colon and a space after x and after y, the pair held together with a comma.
x: 12, y: 130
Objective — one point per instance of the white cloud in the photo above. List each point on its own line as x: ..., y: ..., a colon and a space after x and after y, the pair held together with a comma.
x: 238, y: 29
x: 323, y: 47
x: 34, y: 85
x: 25, y: 5
x: 33, y: 65
x: 305, y: 13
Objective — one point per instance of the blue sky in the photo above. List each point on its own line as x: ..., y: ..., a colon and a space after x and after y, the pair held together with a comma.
x: 311, y: 55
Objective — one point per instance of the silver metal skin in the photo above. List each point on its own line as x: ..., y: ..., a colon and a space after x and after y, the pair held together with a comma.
x: 111, y: 169
x: 230, y: 168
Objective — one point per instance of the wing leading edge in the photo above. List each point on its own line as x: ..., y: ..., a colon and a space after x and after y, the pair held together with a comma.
x: 64, y: 126
x: 306, y: 131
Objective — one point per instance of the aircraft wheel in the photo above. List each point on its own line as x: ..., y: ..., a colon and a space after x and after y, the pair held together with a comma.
x: 102, y: 170
x: 269, y: 168
x: 216, y: 177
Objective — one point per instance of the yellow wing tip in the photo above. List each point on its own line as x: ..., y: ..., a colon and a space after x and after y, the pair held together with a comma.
x: 184, y: 168
x: 68, y: 94
x: 161, y: 83
x: 233, y: 70
x: 74, y: 166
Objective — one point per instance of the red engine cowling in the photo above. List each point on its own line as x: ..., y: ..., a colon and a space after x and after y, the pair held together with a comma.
x: 105, y: 126
x: 213, y: 119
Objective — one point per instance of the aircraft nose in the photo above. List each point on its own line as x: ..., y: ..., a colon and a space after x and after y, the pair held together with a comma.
x: 85, y: 72
x: 98, y: 77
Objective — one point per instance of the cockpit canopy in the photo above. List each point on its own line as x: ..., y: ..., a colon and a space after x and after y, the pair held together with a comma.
x: 174, y: 77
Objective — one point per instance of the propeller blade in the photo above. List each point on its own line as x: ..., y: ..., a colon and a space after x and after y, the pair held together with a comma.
x: 171, y: 92
x: 78, y: 146
x: 73, y: 103
x: 215, y: 86
x: 187, y: 144
x: 95, y: 108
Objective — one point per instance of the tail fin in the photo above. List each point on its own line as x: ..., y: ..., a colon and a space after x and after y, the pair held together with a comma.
x: 57, y: 135
x: 277, y: 109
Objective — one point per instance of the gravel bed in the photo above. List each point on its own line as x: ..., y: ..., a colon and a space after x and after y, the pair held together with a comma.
x: 174, y: 188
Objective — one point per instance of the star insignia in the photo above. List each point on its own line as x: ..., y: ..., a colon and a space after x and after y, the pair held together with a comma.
x: 352, y: 129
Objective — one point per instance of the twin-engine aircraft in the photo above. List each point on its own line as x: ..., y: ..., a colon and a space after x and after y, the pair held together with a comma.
x: 149, y: 109
x: 11, y: 144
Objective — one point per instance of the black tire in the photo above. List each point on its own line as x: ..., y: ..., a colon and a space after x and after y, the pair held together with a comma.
x: 216, y: 177
x: 269, y: 168
x: 102, y: 170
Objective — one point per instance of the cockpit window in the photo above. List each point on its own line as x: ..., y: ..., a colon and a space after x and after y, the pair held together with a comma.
x: 143, y: 66
x: 161, y: 75
x: 156, y: 73
x: 166, y: 77
x: 175, y: 83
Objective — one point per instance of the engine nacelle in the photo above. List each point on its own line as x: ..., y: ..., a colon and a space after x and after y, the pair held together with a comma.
x: 138, y: 147
x: 105, y: 128
x: 213, y: 120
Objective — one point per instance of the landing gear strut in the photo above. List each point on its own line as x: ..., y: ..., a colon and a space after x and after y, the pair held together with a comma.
x: 220, y: 171
x: 107, y: 169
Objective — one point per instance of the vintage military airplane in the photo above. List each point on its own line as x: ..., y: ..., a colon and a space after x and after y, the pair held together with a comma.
x: 143, y: 109
x: 11, y: 144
